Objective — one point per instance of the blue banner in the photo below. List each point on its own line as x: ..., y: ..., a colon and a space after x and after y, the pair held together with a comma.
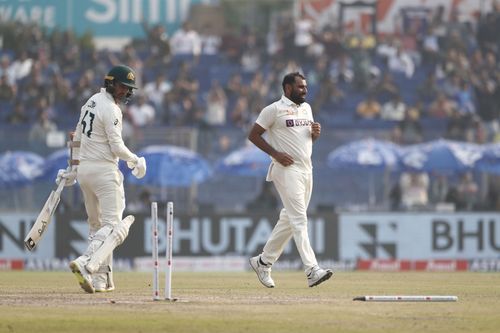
x: 103, y: 18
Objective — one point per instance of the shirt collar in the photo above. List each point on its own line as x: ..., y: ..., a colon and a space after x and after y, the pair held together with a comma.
x: 107, y: 94
x: 288, y: 101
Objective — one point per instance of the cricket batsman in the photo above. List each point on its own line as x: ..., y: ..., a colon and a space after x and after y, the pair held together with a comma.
x: 99, y: 133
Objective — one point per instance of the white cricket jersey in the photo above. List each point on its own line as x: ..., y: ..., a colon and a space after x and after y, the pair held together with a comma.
x: 99, y: 130
x: 288, y: 127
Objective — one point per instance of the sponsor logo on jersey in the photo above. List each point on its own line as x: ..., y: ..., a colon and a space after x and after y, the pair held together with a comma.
x: 116, y: 122
x: 298, y: 122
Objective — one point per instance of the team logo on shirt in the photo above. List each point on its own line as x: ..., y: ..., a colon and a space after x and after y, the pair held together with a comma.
x: 298, y: 122
x: 288, y: 111
x: 116, y: 122
x: 91, y: 104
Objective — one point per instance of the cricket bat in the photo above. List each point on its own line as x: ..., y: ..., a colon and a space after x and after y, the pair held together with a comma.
x: 42, y: 221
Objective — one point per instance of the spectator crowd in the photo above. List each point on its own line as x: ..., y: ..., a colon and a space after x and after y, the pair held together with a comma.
x: 439, y: 75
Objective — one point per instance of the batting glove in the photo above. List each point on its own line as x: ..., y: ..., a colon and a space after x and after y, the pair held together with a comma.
x: 68, y: 175
x: 138, y: 167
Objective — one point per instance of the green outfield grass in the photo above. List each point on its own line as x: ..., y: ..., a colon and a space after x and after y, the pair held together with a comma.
x: 236, y: 302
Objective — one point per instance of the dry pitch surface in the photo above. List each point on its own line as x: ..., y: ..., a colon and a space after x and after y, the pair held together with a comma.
x: 236, y: 302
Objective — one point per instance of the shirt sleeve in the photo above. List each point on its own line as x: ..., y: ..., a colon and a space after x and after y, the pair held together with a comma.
x: 77, y: 138
x: 78, y: 129
x: 113, y: 128
x: 310, y: 113
x: 267, y: 117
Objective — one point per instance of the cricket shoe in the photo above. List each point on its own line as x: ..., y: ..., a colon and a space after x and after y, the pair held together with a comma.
x: 102, y: 282
x: 263, y: 272
x: 318, y: 275
x: 83, y: 277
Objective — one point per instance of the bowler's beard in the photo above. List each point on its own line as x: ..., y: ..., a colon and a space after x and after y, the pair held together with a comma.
x: 297, y: 99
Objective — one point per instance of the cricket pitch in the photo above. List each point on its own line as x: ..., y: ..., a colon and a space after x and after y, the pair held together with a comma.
x: 237, y: 302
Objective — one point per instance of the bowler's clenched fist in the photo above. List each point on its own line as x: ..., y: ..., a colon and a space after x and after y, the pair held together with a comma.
x: 315, y: 130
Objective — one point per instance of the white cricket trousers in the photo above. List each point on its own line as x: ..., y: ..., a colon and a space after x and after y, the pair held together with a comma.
x: 103, y: 193
x: 294, y: 189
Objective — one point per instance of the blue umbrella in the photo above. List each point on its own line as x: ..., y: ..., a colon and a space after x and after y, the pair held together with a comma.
x: 55, y: 161
x: 59, y: 160
x: 245, y: 161
x: 370, y: 155
x: 367, y: 154
x: 442, y: 156
x: 490, y: 160
x: 19, y: 168
x: 172, y: 166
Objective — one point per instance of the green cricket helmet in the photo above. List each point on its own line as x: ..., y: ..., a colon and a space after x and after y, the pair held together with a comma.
x: 123, y: 74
